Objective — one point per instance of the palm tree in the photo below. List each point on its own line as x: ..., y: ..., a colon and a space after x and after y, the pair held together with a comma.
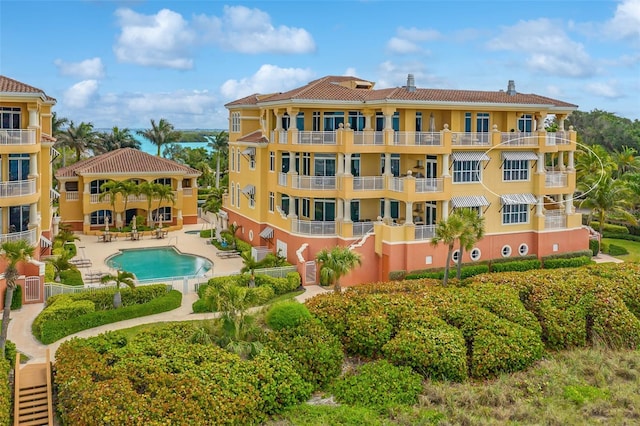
x: 65, y: 235
x: 472, y: 233
x: 118, y: 138
x: 128, y: 187
x: 14, y: 252
x: 593, y: 161
x: 160, y: 134
x: 61, y: 263
x: 110, y: 190
x: 164, y: 193
x: 448, y: 232
x: 57, y: 123
x: 220, y: 144
x: 79, y: 139
x: 627, y: 160
x: 233, y: 303
x: 250, y: 265
x: 609, y: 196
x: 335, y: 264
x: 148, y: 189
x: 213, y: 203
x: 122, y: 277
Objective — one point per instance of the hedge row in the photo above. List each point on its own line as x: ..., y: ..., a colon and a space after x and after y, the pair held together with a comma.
x: 5, y: 393
x: 49, y: 331
x: 465, y: 272
x: 103, y: 298
x: 573, y: 262
x: 609, y: 227
x: 161, y: 377
x: 617, y: 236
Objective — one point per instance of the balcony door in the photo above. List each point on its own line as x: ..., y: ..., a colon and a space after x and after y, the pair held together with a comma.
x: 431, y: 167
x: 325, y: 210
x: 324, y: 165
x: 19, y: 218
x: 18, y: 167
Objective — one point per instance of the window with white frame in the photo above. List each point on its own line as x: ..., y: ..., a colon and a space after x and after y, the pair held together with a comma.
x: 233, y: 194
x: 163, y: 181
x: 506, y: 251
x: 238, y: 158
x: 94, y: 186
x: 523, y: 250
x: 475, y: 254
x: 286, y: 121
x: 315, y: 123
x: 525, y: 123
x: 515, y: 170
x: 306, y: 207
x: 252, y: 161
x: 467, y: 171
x: 395, y: 208
x: 252, y: 200
x: 238, y: 196
x: 163, y: 213
x: 100, y: 217
x: 9, y: 117
x: 233, y: 160
x: 515, y: 213
x: 272, y: 161
x: 272, y: 201
x: 284, y: 203
x: 455, y: 256
x: 235, y: 122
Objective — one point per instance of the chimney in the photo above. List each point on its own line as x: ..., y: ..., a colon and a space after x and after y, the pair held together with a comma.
x: 511, y: 88
x: 411, y: 83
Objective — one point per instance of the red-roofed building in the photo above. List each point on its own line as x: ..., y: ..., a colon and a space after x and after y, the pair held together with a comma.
x: 338, y: 162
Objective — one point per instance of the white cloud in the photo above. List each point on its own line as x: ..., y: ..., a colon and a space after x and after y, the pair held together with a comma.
x: 407, y: 40
x: 247, y: 30
x: 395, y: 75
x: 546, y: 48
x: 626, y: 21
x: 88, y: 69
x: 604, y: 90
x: 80, y: 94
x: 351, y: 72
x: 268, y: 79
x: 160, y: 40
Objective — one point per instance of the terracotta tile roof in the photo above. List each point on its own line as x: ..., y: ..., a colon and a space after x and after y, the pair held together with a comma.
x: 256, y: 137
x: 47, y: 138
x: 251, y: 99
x: 331, y: 88
x: 125, y: 160
x: 9, y: 85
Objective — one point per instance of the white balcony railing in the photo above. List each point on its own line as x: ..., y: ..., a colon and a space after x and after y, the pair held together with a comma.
x: 555, y: 180
x: 95, y: 198
x: 425, y: 232
x: 555, y: 220
x: 314, y: 182
x: 417, y: 138
x: 17, y: 188
x: 561, y: 138
x: 368, y: 183
x: 429, y: 184
x: 72, y: 196
x: 361, y: 228
x: 316, y: 138
x: 282, y: 137
x: 550, y: 139
x: 518, y: 139
x: 396, y: 184
x: 28, y: 235
x: 17, y: 137
x: 282, y: 179
x: 132, y: 198
x: 187, y: 192
x: 368, y: 137
x: 470, y: 139
x: 313, y: 227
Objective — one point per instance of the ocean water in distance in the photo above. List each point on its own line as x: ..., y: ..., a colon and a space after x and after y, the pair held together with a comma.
x: 150, y: 148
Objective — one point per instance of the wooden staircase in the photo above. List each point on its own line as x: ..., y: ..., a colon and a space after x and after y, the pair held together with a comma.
x: 33, y: 403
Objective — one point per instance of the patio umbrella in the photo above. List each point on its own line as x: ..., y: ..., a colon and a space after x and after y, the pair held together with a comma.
x: 432, y: 123
x: 160, y: 220
x: 134, y: 224
x: 106, y: 224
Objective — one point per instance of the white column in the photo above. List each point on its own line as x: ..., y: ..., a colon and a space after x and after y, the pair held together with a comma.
x: 347, y: 164
x: 568, y: 204
x: 445, y: 209
x: 86, y: 187
x: 539, y: 205
x: 409, y: 213
x: 570, y: 164
x: 179, y: 185
x: 540, y: 166
x: 278, y: 122
x: 179, y: 215
x: 33, y: 165
x: 292, y: 207
x: 347, y: 210
x: 561, y: 124
x: 367, y: 122
x: 87, y: 219
x: 340, y: 170
x: 561, y: 160
x: 387, y: 209
x: 33, y: 119
x: 445, y: 165
x: 33, y: 215
x: 387, y: 164
x: 339, y: 208
x: 388, y: 123
x: 293, y: 124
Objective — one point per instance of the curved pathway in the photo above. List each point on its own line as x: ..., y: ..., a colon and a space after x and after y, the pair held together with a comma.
x: 21, y: 320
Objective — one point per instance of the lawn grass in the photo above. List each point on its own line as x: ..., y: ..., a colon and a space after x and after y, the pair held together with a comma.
x: 633, y: 247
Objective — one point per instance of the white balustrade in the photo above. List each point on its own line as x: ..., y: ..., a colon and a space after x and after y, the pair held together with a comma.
x: 313, y: 227
x: 17, y: 188
x: 17, y: 137
x: 368, y: 183
x: 314, y: 182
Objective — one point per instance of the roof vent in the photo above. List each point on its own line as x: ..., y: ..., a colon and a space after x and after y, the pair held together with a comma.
x: 511, y: 88
x: 411, y: 83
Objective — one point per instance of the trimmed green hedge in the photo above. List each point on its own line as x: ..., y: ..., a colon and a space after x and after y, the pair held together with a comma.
x: 615, y: 250
x: 516, y: 265
x: 567, y: 255
x: 5, y: 394
x: 103, y: 298
x: 465, y: 272
x: 71, y: 277
x: 609, y: 227
x: 617, y: 236
x: 207, y: 233
x: 287, y: 314
x: 51, y: 331
x: 594, y: 246
x: 573, y: 262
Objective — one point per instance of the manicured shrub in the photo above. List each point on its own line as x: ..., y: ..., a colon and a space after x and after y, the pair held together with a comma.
x: 279, y: 285
x: 574, y: 262
x: 397, y: 275
x: 49, y: 273
x: 16, y: 301
x: 516, y: 265
x: 71, y: 277
x: 242, y: 246
x: 609, y: 322
x: 465, y: 272
x: 609, y: 227
x: 379, y: 385
x: 594, y: 246
x: 294, y: 279
x: 262, y: 294
x: 5, y: 393
x: 366, y: 334
x: 103, y: 298
x: 207, y: 233
x: 615, y: 250
x: 10, y: 352
x: 62, y: 308
x: 316, y: 353
x: 287, y: 315
x: 200, y: 306
x: 437, y: 353
x: 51, y: 331
x: 331, y: 309
x: 618, y: 236
x: 568, y: 255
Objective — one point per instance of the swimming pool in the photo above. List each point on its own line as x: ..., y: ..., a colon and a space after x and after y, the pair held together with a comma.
x: 162, y: 262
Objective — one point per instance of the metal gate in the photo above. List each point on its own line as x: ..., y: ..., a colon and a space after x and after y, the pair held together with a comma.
x: 310, y: 272
x: 32, y: 289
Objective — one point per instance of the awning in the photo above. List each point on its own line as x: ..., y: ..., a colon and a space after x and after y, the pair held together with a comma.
x: 511, y: 199
x: 470, y: 156
x: 519, y: 155
x: 267, y: 233
x: 469, y: 201
x: 249, y: 151
x: 249, y: 190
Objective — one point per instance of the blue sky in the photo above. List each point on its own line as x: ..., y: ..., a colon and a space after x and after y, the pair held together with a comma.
x: 125, y: 62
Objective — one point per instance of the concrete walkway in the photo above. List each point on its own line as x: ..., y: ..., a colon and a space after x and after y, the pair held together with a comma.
x: 605, y: 258
x: 21, y: 321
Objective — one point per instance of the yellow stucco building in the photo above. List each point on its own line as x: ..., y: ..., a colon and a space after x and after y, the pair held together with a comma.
x: 84, y: 206
x: 26, y: 151
x: 337, y: 162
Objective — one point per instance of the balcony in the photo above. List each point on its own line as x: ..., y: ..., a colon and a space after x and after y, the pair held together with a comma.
x: 320, y: 183
x: 429, y: 184
x: 425, y: 232
x: 17, y: 188
x: 282, y: 179
x: 368, y: 183
x: 555, y: 180
x: 470, y: 139
x: 518, y: 139
x: 17, y: 137
x: 316, y: 138
x: 417, y: 139
x: 368, y: 137
x: 313, y: 227
x: 95, y: 198
x: 396, y: 184
x: 187, y: 192
x: 555, y: 219
x: 28, y: 235
x: 133, y: 198
x: 557, y: 138
x: 71, y: 196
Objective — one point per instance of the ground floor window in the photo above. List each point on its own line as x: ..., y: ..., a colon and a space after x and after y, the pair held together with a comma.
x: 163, y: 213
x: 515, y: 213
x: 101, y: 217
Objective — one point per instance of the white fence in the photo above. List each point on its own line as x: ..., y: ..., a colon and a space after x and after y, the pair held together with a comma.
x: 278, y: 272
